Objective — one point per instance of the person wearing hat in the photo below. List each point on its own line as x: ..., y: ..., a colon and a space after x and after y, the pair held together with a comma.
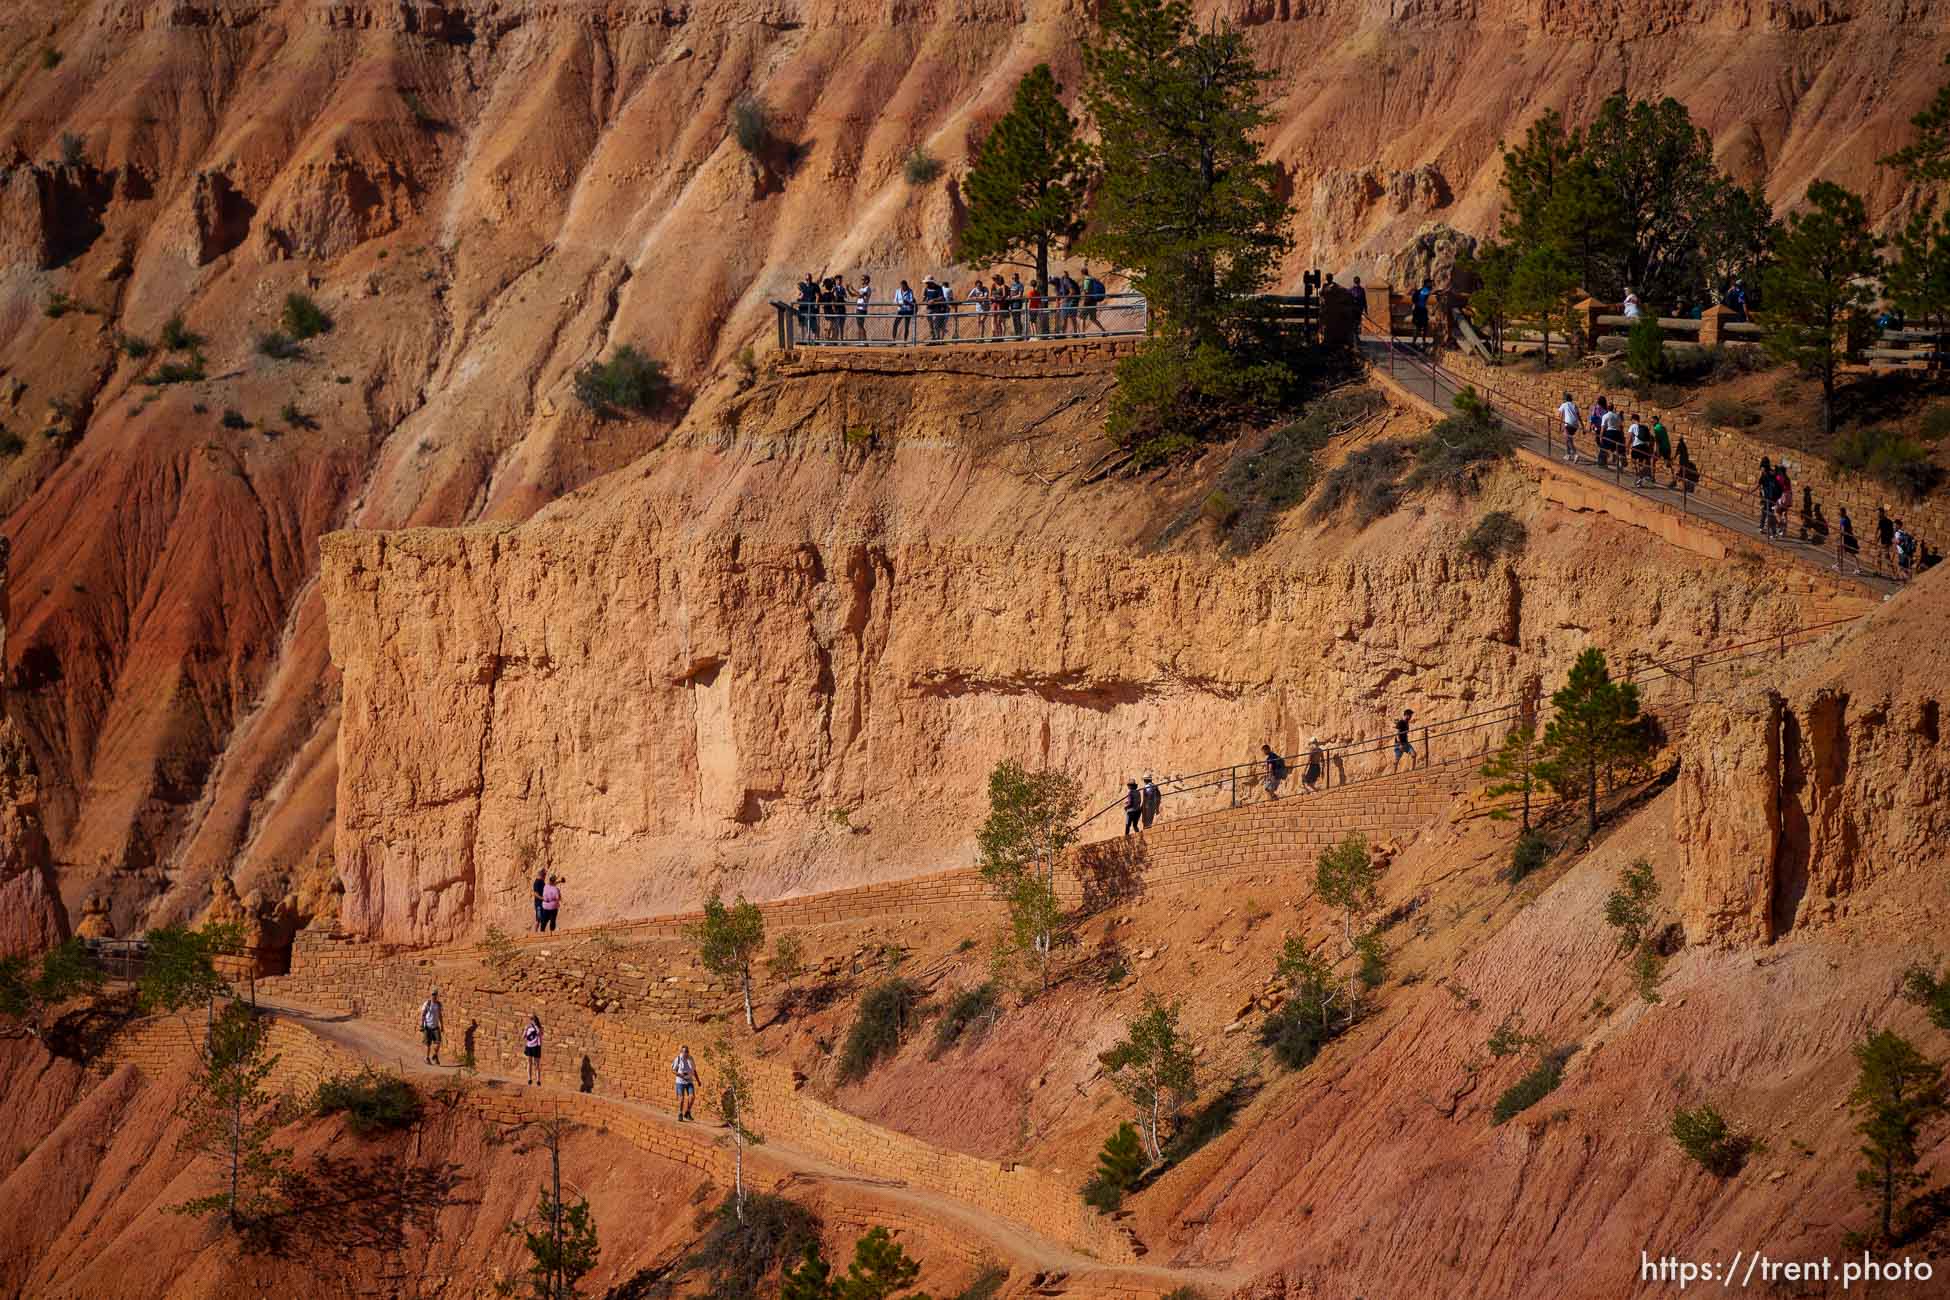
x: 862, y: 295
x: 1154, y: 799
x: 1133, y: 807
x: 1316, y: 761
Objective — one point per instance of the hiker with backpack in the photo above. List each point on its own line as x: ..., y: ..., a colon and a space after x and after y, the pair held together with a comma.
x: 1641, y: 452
x: 1316, y: 765
x: 1154, y: 799
x: 1567, y: 412
x: 1770, y: 495
x: 1905, y: 551
x: 531, y: 1047
x: 1093, y: 295
x: 1662, y: 442
x: 1403, y: 749
x: 432, y: 1023
x: 1133, y: 807
x: 1418, y: 311
x: 1848, y: 548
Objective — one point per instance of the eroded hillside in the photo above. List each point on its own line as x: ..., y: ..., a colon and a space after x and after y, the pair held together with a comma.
x: 484, y: 196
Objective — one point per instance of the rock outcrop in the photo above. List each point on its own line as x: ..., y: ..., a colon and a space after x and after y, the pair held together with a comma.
x: 31, y: 916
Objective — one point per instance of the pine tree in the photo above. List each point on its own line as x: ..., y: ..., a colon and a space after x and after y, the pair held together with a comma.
x: 1512, y: 769
x: 1927, y: 158
x: 1186, y: 203
x: 1594, y: 724
x: 1819, y: 290
x: 1918, y: 280
x: 30, y: 990
x: 728, y: 940
x: 1153, y: 1067
x: 810, y: 1279
x: 230, y: 1118
x: 880, y: 1267
x: 1898, y: 1093
x: 1026, y: 187
x: 1122, y: 1159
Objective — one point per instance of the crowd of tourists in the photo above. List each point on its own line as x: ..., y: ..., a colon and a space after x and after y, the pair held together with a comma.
x: 829, y: 307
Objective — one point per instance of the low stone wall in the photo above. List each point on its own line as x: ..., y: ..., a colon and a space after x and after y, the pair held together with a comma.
x: 1029, y: 359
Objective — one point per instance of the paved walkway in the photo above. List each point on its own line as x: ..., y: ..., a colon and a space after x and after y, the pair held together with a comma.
x: 1418, y: 375
x: 779, y: 1164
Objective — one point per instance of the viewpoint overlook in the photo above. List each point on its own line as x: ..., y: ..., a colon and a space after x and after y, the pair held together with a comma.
x: 1124, y: 651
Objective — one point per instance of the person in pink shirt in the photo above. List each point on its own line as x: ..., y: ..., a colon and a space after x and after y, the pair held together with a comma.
x: 551, y: 901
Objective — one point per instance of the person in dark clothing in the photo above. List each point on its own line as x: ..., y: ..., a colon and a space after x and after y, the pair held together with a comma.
x: 1275, y: 771
x: 1154, y: 799
x: 1403, y: 749
x: 1316, y: 765
x: 1885, y: 538
x: 540, y: 883
x: 1133, y: 806
x: 1770, y: 494
x: 1850, y: 550
x: 808, y: 305
x: 1682, y: 454
x: 1807, y: 510
x: 1419, y: 310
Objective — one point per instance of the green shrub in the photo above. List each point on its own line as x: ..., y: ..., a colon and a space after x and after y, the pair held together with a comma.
x: 1369, y: 480
x: 296, y: 418
x: 1453, y: 452
x: 1540, y: 1082
x: 1935, y: 424
x: 1900, y: 462
x: 921, y: 168
x: 1922, y: 987
x: 1645, y: 351
x: 877, y: 1030
x: 1497, y: 533
x: 1119, y: 1165
x: 58, y: 305
x: 176, y: 337
x: 11, y: 443
x: 303, y: 318
x: 737, y: 1253
x: 1705, y: 1135
x: 1727, y: 413
x: 1648, y: 968
x: 987, y: 1284
x: 234, y: 419
x: 1529, y: 855
x: 1219, y: 508
x: 972, y: 1009
x: 134, y: 347
x: 279, y: 346
x: 373, y: 1102
x: 50, y: 57
x: 1255, y: 488
x: 751, y: 124
x: 1171, y: 397
x: 1311, y: 1017
x: 628, y: 381
x: 176, y: 372
x: 1628, y: 908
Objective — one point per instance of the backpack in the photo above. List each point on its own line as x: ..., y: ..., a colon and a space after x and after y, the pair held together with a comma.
x: 1093, y: 291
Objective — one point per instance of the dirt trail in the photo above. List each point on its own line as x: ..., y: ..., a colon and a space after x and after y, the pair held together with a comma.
x: 1019, y: 1248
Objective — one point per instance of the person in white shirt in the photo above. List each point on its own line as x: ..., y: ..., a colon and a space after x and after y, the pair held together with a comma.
x: 686, y: 1071
x: 432, y: 1014
x: 1568, y: 412
x: 1632, y: 308
x: 861, y: 297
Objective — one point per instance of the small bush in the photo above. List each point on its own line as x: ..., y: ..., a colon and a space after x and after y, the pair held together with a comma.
x: 279, y: 346
x: 877, y: 1030
x: 1453, y: 453
x: 1219, y: 508
x: 1628, y: 908
x: 1705, y: 1135
x: 134, y: 347
x: 1890, y: 458
x: 968, y: 1016
x: 11, y: 444
x: 736, y: 1254
x: 372, y: 1102
x: 1297, y: 1030
x: 1369, y: 480
x: 1645, y: 351
x: 1170, y: 397
x: 295, y: 418
x: 176, y: 372
x: 751, y: 125
x: 788, y: 959
x: 1727, y: 413
x: 1529, y: 855
x: 303, y: 318
x: 234, y: 419
x: 628, y: 381
x: 58, y: 305
x: 74, y: 150
x: 176, y: 337
x: 1935, y: 424
x: 1540, y: 1082
x: 987, y: 1284
x: 50, y: 58
x: 1922, y: 987
x: 497, y: 950
x: 921, y: 168
x: 1497, y: 533
x: 1255, y: 489
x: 1119, y: 1165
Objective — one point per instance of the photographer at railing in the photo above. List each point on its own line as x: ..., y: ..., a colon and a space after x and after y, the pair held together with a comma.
x: 831, y: 313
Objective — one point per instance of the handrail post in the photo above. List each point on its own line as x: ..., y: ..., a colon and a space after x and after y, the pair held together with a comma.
x: 1427, y: 757
x: 1235, y: 785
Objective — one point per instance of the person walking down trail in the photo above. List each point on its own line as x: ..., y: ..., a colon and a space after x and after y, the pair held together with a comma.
x: 432, y: 1018
x: 1682, y: 455
x: 1403, y: 749
x: 1133, y: 806
x: 686, y: 1071
x: 1770, y: 492
x: 1316, y: 764
x: 551, y: 902
x: 541, y: 885
x: 1568, y: 412
x: 1154, y: 799
x: 1662, y: 442
x: 1886, y: 538
x: 1419, y: 311
x: 1275, y: 771
x: 1905, y: 551
x: 1784, y: 502
x: 531, y: 1047
x: 1641, y: 452
x: 1851, y: 549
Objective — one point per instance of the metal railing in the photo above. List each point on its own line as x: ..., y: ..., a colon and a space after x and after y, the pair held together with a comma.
x: 1692, y: 490
x: 1467, y: 738
x: 878, y: 324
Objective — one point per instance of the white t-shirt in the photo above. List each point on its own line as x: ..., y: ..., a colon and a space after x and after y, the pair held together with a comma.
x: 1568, y: 412
x: 685, y: 1068
x: 1612, y: 421
x: 429, y: 1014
